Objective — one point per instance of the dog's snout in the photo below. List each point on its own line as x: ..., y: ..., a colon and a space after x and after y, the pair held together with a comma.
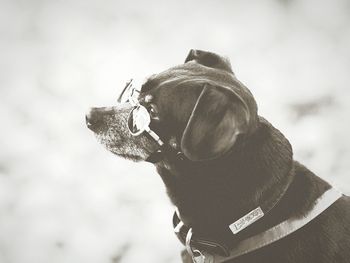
x: 94, y: 119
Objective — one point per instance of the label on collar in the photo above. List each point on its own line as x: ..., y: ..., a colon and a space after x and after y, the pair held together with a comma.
x: 246, y: 220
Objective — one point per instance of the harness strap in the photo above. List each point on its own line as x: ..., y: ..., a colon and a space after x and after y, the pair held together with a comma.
x: 204, y: 251
x: 283, y: 229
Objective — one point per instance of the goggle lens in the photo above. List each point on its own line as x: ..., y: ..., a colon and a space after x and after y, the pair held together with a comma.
x: 139, y: 120
x: 129, y: 93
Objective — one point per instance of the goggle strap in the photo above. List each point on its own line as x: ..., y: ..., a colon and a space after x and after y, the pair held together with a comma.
x: 154, y: 136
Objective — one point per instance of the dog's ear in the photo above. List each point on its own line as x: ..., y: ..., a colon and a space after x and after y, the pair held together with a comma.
x: 219, y: 115
x: 209, y: 59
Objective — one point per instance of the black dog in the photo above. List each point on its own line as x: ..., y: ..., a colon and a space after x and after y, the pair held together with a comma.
x: 225, y: 168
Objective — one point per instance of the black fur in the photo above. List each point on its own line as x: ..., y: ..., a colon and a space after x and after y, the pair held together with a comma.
x: 213, y: 192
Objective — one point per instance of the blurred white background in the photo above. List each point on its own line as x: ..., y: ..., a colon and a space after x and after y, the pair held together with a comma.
x: 63, y: 198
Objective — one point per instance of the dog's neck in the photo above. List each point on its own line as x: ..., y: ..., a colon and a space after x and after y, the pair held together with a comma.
x: 216, y: 193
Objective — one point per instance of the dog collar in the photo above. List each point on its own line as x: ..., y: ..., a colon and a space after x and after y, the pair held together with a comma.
x: 222, y: 240
x: 267, y: 237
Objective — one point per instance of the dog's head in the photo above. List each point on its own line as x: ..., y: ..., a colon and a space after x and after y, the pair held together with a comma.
x: 198, y: 107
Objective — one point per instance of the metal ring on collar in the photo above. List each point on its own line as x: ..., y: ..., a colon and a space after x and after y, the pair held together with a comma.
x: 196, y: 255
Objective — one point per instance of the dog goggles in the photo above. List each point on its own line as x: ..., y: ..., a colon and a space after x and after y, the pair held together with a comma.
x: 139, y: 118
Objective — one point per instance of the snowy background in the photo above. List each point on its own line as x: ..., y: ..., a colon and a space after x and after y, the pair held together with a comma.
x: 63, y: 198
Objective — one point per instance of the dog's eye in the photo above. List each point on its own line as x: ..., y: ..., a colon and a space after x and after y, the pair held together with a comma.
x: 153, y: 112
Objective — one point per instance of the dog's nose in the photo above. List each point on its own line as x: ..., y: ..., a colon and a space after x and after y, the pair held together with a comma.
x: 94, y: 119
